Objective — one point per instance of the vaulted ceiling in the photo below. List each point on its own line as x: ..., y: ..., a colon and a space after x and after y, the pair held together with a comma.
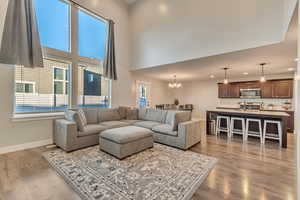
x: 195, y: 46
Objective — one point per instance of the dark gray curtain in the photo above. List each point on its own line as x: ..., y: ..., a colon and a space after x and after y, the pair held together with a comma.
x: 110, y: 70
x: 20, y: 40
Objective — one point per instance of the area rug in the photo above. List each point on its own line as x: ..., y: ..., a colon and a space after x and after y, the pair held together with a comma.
x: 155, y: 174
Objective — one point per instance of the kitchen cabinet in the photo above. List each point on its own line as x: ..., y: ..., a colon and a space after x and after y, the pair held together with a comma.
x: 230, y: 90
x: 223, y: 90
x: 275, y: 89
x: 234, y: 91
x: 267, y: 90
x: 283, y: 89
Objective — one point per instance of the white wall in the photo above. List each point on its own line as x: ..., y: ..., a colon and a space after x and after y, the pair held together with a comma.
x: 297, y: 114
x: 16, y: 133
x: 169, y: 31
x: 204, y: 95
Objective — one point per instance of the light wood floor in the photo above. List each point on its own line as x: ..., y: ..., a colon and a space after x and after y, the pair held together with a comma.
x: 243, y: 172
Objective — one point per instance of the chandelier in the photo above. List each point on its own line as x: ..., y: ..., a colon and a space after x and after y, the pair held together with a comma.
x: 174, y: 83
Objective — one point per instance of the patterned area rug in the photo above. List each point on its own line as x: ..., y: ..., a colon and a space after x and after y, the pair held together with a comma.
x: 155, y: 174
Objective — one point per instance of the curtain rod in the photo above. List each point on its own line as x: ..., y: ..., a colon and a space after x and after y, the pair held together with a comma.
x: 91, y: 11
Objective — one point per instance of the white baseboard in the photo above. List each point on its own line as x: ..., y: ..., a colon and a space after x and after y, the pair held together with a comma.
x: 29, y: 145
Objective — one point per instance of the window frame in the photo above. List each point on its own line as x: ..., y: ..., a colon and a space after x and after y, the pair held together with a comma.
x: 26, y: 82
x: 64, y: 81
x: 72, y: 58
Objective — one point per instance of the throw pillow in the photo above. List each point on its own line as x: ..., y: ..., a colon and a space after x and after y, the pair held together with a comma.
x: 81, y: 119
x: 132, y: 114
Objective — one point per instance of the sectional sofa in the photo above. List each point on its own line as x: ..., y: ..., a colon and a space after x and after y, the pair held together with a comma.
x: 81, y: 128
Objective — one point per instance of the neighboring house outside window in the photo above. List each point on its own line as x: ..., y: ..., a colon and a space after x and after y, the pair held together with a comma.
x: 25, y: 87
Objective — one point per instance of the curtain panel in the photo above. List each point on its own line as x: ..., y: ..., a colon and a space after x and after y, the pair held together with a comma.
x: 20, y: 40
x: 110, y: 70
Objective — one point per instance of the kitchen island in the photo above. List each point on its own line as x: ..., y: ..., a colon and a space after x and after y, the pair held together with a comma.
x: 263, y: 115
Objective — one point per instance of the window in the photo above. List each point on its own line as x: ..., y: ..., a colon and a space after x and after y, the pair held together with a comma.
x: 143, y: 94
x: 34, y: 89
x: 93, y: 89
x: 61, y: 80
x: 89, y: 27
x: 51, y: 88
x: 25, y: 87
x: 54, y: 29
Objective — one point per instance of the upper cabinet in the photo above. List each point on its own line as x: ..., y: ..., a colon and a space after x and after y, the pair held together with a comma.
x: 276, y: 89
x: 229, y: 91
x: 283, y: 89
x: 267, y: 90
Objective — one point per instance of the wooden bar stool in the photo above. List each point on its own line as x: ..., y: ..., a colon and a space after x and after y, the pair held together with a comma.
x: 221, y: 128
x: 273, y: 136
x: 238, y: 131
x: 254, y: 133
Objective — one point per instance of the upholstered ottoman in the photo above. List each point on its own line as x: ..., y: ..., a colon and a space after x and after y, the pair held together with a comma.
x: 125, y: 141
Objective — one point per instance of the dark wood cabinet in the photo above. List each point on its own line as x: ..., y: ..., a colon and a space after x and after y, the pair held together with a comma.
x: 283, y: 89
x: 229, y: 90
x: 277, y: 89
x: 234, y: 91
x: 223, y: 90
x: 267, y: 90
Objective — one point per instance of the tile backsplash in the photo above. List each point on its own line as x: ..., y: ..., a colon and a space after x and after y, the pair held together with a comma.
x: 278, y: 103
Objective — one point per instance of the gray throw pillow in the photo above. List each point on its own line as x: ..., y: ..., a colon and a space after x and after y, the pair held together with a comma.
x: 81, y: 119
x: 91, y: 116
x: 122, y: 111
x: 111, y: 114
x: 132, y: 114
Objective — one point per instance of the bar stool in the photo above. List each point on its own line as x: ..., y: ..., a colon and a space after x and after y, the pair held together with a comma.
x: 273, y: 136
x: 234, y: 130
x: 258, y: 133
x: 220, y: 128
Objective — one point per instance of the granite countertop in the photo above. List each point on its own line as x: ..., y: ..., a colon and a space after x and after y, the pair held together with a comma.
x: 264, y: 109
x: 254, y: 112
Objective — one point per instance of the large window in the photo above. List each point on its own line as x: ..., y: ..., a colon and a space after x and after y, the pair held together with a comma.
x: 52, y: 88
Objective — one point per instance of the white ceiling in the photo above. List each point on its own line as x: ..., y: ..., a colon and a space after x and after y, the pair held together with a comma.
x: 279, y: 57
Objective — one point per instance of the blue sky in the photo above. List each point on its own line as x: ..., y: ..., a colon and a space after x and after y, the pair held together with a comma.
x: 54, y: 26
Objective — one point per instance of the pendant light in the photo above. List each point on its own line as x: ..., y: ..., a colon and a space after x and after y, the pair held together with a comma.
x: 174, y: 83
x: 225, y: 77
x: 263, y: 77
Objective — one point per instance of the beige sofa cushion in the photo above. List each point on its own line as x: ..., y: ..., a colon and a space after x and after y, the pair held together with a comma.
x: 128, y: 121
x: 174, y: 118
x: 113, y: 124
x: 91, y: 129
x: 165, y: 129
x: 142, y: 114
x: 156, y: 115
x: 111, y: 114
x: 147, y: 124
x: 91, y: 116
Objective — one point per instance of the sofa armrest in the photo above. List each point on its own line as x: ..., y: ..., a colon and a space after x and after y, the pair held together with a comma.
x: 191, y: 132
x: 65, y: 134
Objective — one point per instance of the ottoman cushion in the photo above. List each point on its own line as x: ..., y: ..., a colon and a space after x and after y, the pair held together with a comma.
x: 125, y: 141
x: 126, y: 134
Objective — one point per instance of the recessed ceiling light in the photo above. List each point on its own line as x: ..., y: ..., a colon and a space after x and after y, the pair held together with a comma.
x: 245, y: 73
x: 212, y: 76
x: 291, y: 69
x: 296, y: 59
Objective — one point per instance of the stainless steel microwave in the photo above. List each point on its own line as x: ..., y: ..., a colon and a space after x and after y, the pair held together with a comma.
x: 250, y: 93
